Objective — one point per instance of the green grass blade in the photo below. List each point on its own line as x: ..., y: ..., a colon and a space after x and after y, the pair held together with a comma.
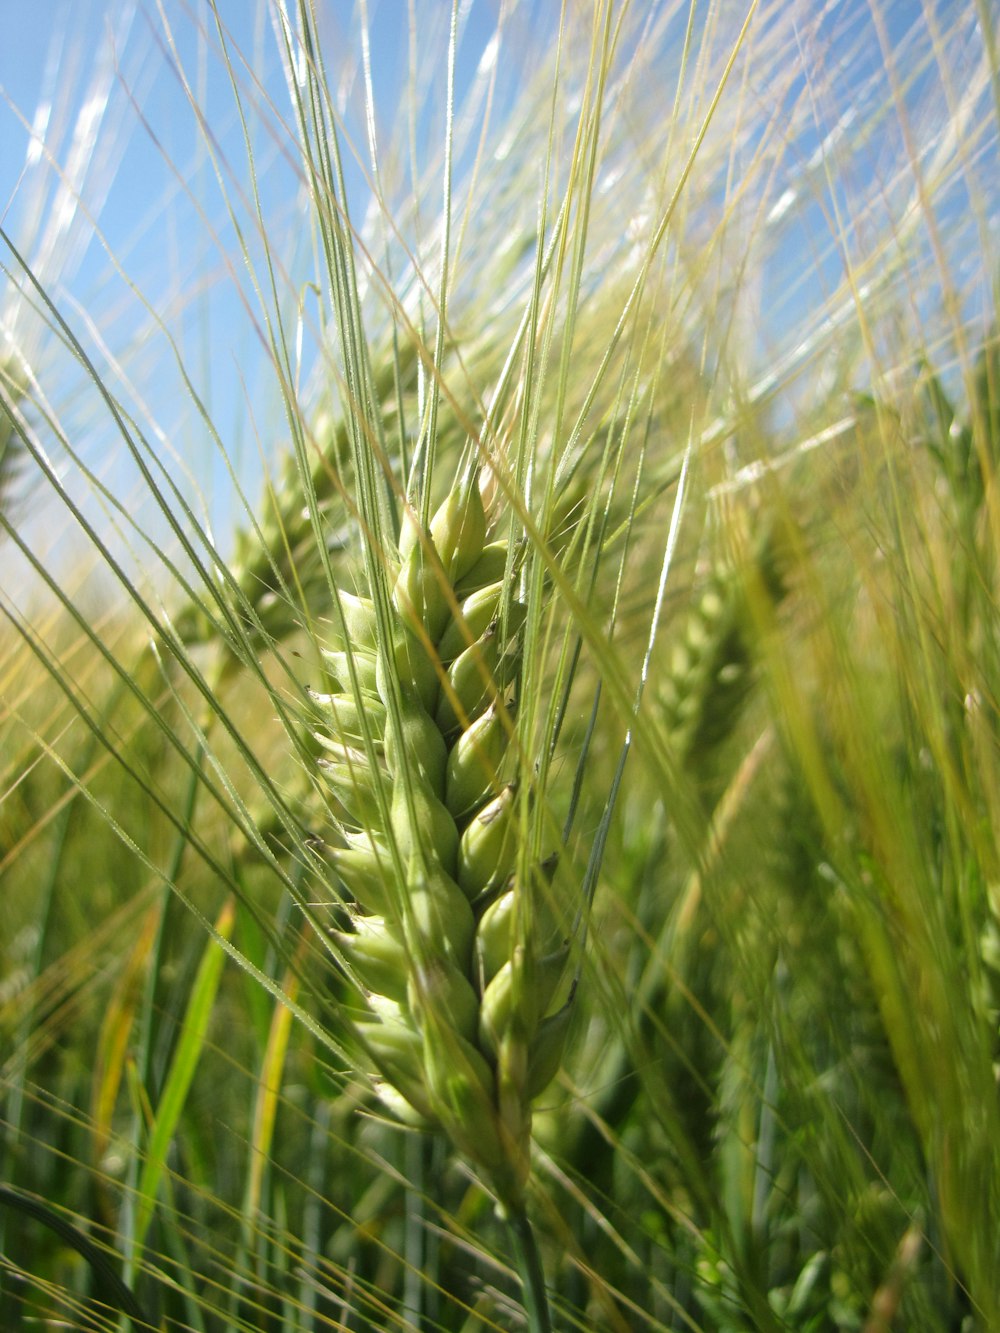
x: 183, y: 1066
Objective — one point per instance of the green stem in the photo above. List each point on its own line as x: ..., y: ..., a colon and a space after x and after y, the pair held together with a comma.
x: 530, y: 1271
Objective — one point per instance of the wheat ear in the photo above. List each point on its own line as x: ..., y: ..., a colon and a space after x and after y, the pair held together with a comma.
x: 462, y: 1020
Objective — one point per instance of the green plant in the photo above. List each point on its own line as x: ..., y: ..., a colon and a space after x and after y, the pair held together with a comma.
x: 722, y: 663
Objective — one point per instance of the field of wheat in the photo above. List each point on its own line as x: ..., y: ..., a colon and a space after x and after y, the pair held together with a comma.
x: 499, y: 667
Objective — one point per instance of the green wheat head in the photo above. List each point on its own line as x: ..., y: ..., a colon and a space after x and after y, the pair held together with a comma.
x: 452, y: 938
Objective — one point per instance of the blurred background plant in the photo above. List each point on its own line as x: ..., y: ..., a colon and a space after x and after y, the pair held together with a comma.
x: 727, y: 296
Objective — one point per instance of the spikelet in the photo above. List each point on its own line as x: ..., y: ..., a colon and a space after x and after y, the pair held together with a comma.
x: 707, y: 668
x: 466, y: 1018
x: 711, y: 664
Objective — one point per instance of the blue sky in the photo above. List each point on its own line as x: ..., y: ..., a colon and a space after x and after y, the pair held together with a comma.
x: 170, y: 239
x: 164, y: 234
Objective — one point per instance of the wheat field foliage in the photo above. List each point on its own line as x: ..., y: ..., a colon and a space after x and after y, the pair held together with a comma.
x: 499, y: 683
